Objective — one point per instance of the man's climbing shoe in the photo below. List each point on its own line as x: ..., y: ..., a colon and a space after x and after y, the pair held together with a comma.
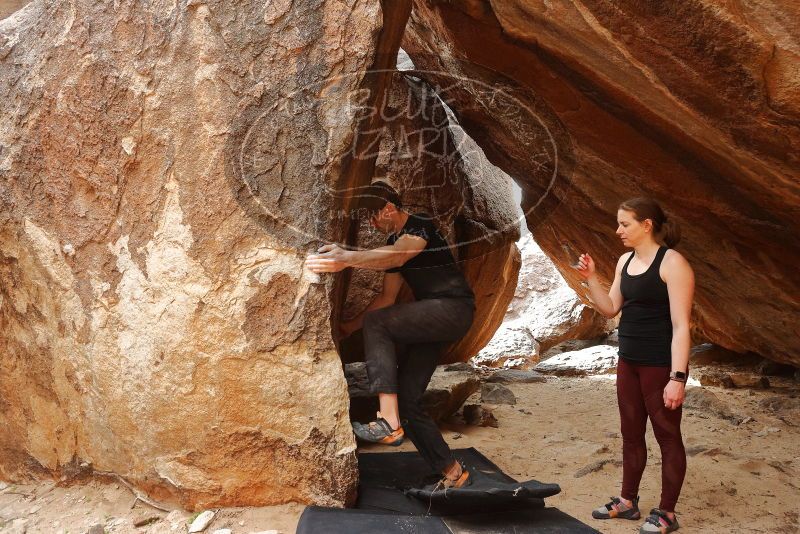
x: 658, y: 522
x: 475, y: 485
x: 379, y: 431
x: 618, y: 509
x: 463, y: 480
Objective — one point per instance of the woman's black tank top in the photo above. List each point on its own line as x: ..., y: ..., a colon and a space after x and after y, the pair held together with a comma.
x: 645, y: 328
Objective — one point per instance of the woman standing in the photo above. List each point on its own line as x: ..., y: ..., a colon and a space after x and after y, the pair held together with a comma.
x: 653, y: 286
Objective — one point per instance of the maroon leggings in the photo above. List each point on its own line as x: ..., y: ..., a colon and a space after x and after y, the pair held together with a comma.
x: 640, y: 393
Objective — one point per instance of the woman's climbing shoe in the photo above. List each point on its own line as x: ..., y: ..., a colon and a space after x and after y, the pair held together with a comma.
x: 658, y: 522
x: 618, y: 509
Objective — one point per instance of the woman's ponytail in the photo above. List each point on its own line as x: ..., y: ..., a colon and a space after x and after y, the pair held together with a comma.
x: 670, y: 232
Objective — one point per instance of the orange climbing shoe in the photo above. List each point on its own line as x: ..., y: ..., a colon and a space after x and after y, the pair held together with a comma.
x: 379, y: 431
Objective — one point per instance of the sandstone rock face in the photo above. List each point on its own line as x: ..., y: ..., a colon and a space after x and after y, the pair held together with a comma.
x: 544, y: 312
x: 513, y: 346
x: 693, y: 103
x: 163, y: 172
x: 439, y: 170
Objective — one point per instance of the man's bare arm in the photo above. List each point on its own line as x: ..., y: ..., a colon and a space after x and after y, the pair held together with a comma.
x: 332, y: 258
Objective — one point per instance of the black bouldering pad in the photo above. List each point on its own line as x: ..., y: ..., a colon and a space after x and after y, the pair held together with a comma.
x: 385, y: 503
x: 393, y: 481
x: 544, y: 521
x: 318, y: 520
x: 486, y: 490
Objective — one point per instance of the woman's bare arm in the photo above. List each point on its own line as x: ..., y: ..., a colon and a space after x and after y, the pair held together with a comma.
x: 609, y: 303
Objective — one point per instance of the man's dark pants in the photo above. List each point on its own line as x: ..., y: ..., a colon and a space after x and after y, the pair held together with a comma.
x: 425, y: 328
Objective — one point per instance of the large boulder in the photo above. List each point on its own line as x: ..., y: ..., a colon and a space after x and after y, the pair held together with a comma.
x: 586, y: 104
x: 596, y: 360
x: 164, y: 169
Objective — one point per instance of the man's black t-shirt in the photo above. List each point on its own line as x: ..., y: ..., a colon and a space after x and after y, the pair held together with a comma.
x: 432, y: 273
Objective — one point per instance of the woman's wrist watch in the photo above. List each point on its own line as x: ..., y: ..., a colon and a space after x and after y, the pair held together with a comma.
x: 678, y: 376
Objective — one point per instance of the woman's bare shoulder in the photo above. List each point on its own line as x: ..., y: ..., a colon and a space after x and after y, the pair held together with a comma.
x: 673, y: 257
x: 675, y: 264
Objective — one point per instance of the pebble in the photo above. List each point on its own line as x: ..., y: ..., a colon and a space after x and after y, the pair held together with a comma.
x: 222, y: 531
x: 497, y: 394
x: 201, y: 522
x: 145, y: 521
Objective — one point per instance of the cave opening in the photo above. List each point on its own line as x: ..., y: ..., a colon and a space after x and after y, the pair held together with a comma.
x: 440, y: 169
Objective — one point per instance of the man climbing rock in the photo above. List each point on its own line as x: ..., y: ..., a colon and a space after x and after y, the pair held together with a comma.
x: 442, y: 313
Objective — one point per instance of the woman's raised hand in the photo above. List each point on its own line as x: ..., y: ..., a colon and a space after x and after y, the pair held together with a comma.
x: 585, y: 266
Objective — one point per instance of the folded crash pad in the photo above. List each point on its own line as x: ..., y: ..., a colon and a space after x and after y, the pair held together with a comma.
x: 392, y: 499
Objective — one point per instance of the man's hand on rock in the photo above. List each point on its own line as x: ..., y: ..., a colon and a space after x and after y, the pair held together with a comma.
x: 331, y: 259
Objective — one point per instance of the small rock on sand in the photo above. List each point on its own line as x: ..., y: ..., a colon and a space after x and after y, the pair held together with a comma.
x: 201, y: 522
x: 497, y: 394
x: 477, y: 415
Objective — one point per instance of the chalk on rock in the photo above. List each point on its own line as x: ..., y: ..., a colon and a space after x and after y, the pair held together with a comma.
x: 201, y: 522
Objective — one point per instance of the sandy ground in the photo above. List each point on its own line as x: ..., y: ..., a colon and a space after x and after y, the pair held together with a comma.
x: 741, y: 478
